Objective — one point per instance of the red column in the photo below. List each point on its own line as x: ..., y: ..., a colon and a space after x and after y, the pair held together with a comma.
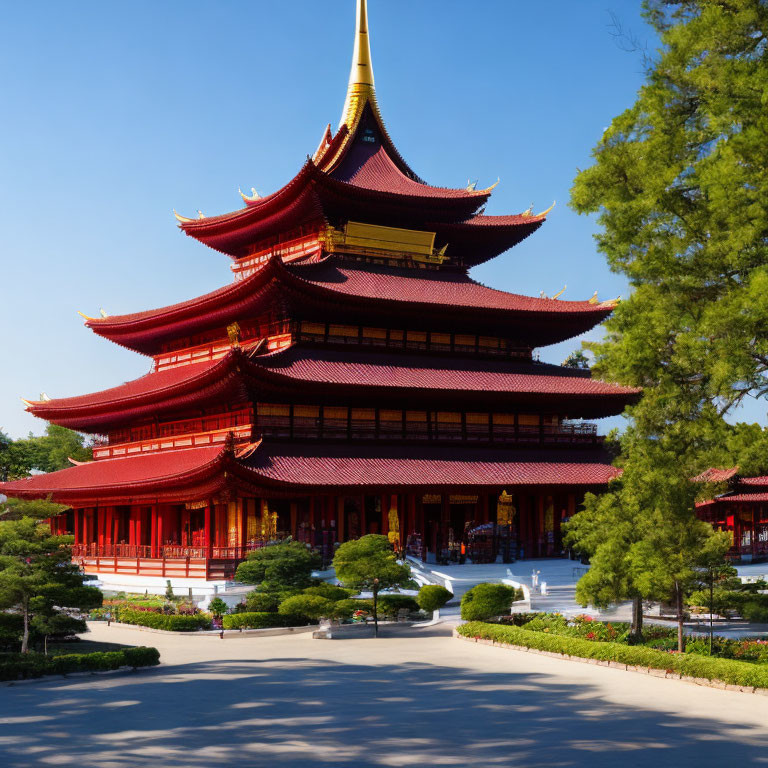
x: 153, y: 526
x: 208, y: 529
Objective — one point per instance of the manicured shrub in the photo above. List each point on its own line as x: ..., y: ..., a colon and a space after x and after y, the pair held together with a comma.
x: 262, y: 602
x: 261, y: 620
x: 23, y: 666
x: 691, y: 665
x: 141, y: 656
x: 311, y: 606
x: 217, y: 607
x: 172, y: 623
x: 484, y: 601
x: 289, y: 563
x: 390, y: 605
x: 432, y: 597
x: 346, y: 609
x: 329, y: 591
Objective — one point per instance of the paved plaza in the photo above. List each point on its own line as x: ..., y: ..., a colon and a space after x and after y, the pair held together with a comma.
x: 410, y: 698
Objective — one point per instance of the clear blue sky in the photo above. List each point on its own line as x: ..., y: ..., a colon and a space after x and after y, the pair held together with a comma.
x: 115, y: 113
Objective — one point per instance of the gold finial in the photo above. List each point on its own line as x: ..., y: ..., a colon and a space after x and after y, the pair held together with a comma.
x: 252, y: 198
x: 361, y: 83
x: 494, y: 185
x: 611, y: 303
x: 594, y: 299
x: 181, y: 219
x: 27, y: 403
x: 84, y: 316
x: 549, y: 210
x: 558, y: 295
x: 527, y: 212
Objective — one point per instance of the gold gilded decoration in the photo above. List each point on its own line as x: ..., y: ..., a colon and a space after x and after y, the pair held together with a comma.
x: 558, y: 295
x: 594, y: 299
x: 361, y: 82
x: 196, y: 505
x: 505, y: 509
x: 456, y: 498
x: 200, y: 214
x: 378, y: 241
x: 494, y: 185
x: 431, y: 498
x: 85, y: 317
x: 181, y: 219
x: 549, y: 210
x: 233, y: 332
x: 103, y: 313
x: 27, y: 403
x: 611, y: 303
x: 394, y: 527
x: 252, y: 198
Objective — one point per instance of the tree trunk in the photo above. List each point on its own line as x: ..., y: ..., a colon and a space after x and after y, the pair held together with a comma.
x: 25, y: 636
x: 679, y: 605
x: 636, y: 629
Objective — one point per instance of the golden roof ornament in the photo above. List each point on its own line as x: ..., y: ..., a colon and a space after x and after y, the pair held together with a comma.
x: 361, y: 83
x: 233, y: 331
x: 560, y: 293
x: 549, y: 210
x: 181, y: 219
x: 252, y: 198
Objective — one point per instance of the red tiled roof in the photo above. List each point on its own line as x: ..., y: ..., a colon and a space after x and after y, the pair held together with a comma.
x: 171, y: 389
x: 446, y: 288
x: 735, y: 498
x: 354, y: 368
x: 714, y: 475
x: 360, y: 466
x: 398, y: 288
x: 370, y: 166
x: 156, y: 472
x: 760, y: 480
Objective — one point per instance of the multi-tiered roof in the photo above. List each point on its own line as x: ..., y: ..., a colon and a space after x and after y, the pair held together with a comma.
x: 351, y: 298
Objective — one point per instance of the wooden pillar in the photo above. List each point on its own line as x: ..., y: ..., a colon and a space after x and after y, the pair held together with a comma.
x: 411, y: 519
x: 208, y: 528
x: 340, y: 519
x: 154, y: 546
x: 385, y: 504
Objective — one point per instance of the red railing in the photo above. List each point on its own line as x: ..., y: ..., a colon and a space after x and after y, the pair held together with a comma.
x: 165, y: 552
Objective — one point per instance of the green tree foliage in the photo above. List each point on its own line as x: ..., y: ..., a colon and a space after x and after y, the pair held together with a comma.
x: 289, y: 564
x: 679, y: 186
x: 577, y: 359
x: 359, y: 562
x: 46, y: 453
x: 38, y: 580
x: 217, y: 607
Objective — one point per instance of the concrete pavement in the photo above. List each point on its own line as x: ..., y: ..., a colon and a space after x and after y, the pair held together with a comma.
x: 409, y: 698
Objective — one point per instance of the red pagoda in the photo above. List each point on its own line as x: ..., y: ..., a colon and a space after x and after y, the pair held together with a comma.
x: 741, y: 509
x: 352, y: 379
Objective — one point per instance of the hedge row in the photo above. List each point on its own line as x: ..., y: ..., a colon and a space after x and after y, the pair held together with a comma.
x: 261, y: 620
x: 23, y: 666
x: 690, y: 665
x: 171, y: 623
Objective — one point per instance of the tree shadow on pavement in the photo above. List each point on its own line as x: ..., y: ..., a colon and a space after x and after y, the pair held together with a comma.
x: 305, y: 712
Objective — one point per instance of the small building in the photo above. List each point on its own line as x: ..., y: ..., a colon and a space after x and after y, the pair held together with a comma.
x: 742, y: 510
x: 352, y: 379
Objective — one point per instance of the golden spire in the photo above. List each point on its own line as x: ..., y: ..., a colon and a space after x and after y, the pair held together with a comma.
x: 361, y: 83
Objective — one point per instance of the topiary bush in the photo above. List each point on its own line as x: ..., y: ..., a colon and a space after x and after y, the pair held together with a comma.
x: 262, y: 602
x: 310, y: 606
x: 346, y: 609
x: 485, y: 601
x: 172, y: 623
x: 261, y: 620
x: 432, y: 597
x: 28, y: 665
x: 390, y: 605
x: 329, y: 591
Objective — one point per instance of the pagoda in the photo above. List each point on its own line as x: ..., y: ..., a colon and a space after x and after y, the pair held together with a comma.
x: 741, y: 509
x: 351, y: 379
